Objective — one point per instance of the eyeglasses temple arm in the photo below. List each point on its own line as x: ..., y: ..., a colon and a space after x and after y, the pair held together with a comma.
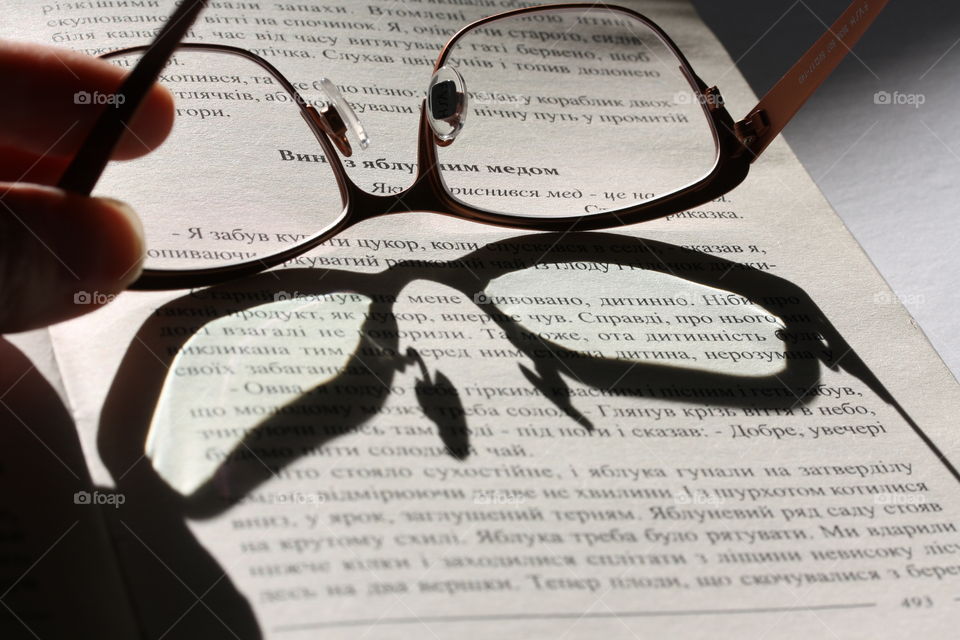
x: 777, y: 108
x: 84, y: 171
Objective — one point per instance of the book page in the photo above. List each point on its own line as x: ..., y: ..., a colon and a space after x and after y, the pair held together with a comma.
x: 717, y: 424
x: 38, y: 349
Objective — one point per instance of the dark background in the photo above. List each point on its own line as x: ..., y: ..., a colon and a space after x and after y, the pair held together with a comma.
x: 891, y: 172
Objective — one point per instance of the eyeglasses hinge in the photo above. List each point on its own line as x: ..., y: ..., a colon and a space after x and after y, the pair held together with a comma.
x: 752, y: 127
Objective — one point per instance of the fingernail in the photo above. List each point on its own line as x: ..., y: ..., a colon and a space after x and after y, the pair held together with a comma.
x: 120, y: 268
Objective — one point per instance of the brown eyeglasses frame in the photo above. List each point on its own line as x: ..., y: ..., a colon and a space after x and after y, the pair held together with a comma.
x: 738, y: 143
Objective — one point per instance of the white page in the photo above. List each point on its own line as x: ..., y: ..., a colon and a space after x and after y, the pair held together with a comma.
x: 38, y: 348
x: 283, y: 561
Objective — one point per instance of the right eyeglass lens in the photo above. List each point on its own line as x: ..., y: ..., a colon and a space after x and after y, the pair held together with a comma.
x: 571, y: 112
x: 241, y: 177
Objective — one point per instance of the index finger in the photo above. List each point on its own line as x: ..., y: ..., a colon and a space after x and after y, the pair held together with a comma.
x: 50, y: 107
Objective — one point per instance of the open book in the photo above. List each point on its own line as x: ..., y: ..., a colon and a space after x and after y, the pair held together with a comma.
x: 719, y: 424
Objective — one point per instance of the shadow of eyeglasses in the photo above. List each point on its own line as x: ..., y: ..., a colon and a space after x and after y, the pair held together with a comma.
x: 125, y: 426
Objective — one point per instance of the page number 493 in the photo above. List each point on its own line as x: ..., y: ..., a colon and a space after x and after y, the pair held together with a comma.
x: 917, y: 602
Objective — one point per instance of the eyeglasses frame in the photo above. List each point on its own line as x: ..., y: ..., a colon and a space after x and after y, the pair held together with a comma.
x: 738, y: 143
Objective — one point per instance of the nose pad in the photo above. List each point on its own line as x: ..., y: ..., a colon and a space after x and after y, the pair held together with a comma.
x: 336, y: 118
x: 446, y: 104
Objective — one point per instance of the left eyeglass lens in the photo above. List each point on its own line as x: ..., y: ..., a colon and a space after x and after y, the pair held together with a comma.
x: 241, y: 177
x: 568, y: 112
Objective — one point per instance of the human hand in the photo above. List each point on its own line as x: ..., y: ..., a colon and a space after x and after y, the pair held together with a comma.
x: 59, y: 249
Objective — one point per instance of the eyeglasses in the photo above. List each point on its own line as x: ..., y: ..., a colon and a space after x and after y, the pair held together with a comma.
x: 563, y: 117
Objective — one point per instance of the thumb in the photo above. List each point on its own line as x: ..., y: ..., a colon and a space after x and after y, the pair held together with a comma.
x: 62, y: 255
